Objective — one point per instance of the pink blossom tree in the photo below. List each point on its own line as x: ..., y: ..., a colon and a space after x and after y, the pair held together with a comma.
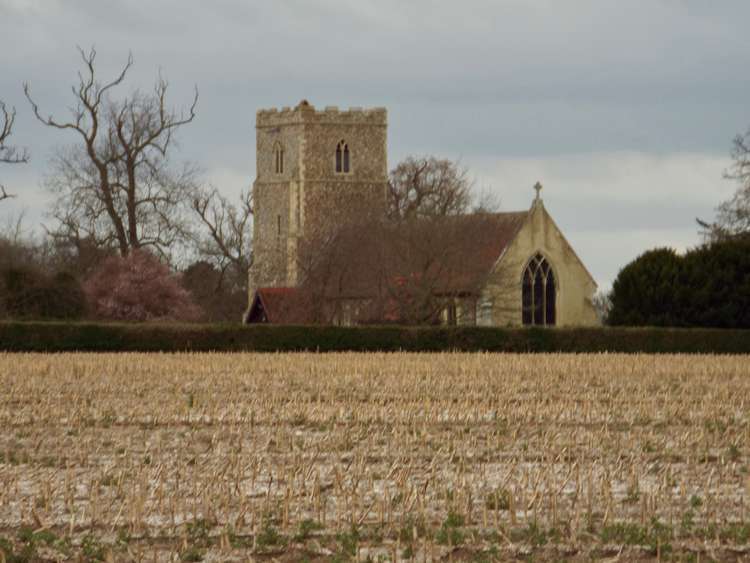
x: 138, y: 287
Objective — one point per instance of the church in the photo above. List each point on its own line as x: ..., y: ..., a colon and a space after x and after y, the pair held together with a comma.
x: 324, y: 253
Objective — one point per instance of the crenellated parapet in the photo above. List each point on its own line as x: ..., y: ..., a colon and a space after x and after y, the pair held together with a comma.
x: 304, y: 113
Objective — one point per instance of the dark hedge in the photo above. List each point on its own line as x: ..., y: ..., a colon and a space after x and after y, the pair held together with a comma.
x: 93, y: 337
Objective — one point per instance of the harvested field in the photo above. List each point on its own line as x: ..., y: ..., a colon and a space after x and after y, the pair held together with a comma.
x: 222, y: 457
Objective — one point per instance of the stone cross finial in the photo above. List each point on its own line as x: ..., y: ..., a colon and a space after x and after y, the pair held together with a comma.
x: 538, y: 188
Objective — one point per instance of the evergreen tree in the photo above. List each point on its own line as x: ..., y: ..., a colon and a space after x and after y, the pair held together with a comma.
x: 645, y: 291
x: 707, y: 287
x: 714, y: 285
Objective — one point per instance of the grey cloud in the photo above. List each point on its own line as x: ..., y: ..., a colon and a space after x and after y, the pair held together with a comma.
x: 480, y: 80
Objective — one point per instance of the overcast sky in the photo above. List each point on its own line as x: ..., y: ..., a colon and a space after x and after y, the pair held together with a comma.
x: 624, y: 110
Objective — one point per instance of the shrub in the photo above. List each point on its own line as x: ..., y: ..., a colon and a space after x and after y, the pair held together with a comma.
x: 69, y: 299
x: 28, y: 294
x: 707, y: 287
x: 60, y: 336
x: 220, y: 295
x: 644, y: 292
x: 715, y: 285
x: 138, y: 288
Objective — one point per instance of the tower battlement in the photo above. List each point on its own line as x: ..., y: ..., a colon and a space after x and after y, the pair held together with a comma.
x: 304, y: 112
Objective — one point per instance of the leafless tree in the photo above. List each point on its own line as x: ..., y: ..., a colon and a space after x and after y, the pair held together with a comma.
x: 225, y: 235
x: 435, y: 217
x: 365, y: 267
x: 117, y: 186
x: 9, y: 154
x: 358, y: 264
x: 602, y: 302
x: 335, y: 252
x: 733, y: 216
x: 428, y: 187
x: 433, y: 262
x: 405, y: 272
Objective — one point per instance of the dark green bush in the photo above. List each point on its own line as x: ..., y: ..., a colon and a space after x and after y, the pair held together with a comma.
x: 707, y: 287
x: 64, y: 336
x: 715, y: 285
x: 27, y: 294
x: 645, y: 291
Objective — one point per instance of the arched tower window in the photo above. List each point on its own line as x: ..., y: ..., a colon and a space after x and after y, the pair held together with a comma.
x: 278, y: 158
x: 343, y: 159
x: 539, y: 293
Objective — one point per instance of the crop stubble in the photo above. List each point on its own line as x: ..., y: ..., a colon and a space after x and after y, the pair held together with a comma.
x: 138, y: 456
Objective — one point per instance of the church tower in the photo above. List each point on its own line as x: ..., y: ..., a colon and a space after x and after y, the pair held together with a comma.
x: 312, y: 166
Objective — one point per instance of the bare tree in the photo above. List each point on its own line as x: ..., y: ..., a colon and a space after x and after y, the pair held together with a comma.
x: 4, y: 194
x: 407, y: 272
x: 428, y: 187
x: 226, y: 238
x: 358, y: 262
x: 436, y: 264
x: 733, y: 216
x: 117, y: 187
x: 9, y: 154
x: 602, y: 302
x: 437, y: 221
x: 335, y: 255
x: 360, y: 265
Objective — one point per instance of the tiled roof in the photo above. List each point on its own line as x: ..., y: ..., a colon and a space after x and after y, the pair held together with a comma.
x: 488, y: 235
x: 282, y: 305
x: 453, y: 254
x: 462, y: 255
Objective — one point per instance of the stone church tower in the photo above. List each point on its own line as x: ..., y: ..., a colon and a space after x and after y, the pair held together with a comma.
x: 312, y: 166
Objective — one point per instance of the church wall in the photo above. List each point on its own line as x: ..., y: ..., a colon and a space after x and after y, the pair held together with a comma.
x: 270, y: 230
x: 364, y: 131
x: 464, y: 309
x: 274, y: 197
x: 330, y: 198
x: 575, y: 288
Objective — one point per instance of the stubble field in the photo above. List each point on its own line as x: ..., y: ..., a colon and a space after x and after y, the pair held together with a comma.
x: 237, y: 457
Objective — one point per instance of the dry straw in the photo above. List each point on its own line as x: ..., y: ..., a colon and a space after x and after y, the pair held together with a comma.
x: 237, y: 452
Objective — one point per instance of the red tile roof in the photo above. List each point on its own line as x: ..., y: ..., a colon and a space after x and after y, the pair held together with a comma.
x: 462, y: 250
x: 281, y: 305
x: 488, y: 235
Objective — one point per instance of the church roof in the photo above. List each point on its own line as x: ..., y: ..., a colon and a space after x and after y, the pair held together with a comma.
x: 278, y: 305
x: 484, y: 239
x: 441, y: 256
x: 444, y: 255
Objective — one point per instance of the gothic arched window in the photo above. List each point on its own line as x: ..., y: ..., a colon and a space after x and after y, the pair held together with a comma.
x: 278, y: 157
x: 539, y: 293
x: 342, y: 158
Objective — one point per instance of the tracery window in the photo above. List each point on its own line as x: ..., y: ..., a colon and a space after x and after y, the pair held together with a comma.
x: 342, y: 158
x: 278, y: 157
x: 539, y: 293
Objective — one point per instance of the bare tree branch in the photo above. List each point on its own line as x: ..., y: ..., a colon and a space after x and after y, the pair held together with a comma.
x: 227, y: 242
x: 428, y: 186
x: 9, y: 154
x: 405, y: 268
x: 4, y: 195
x: 733, y: 216
x: 117, y: 185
